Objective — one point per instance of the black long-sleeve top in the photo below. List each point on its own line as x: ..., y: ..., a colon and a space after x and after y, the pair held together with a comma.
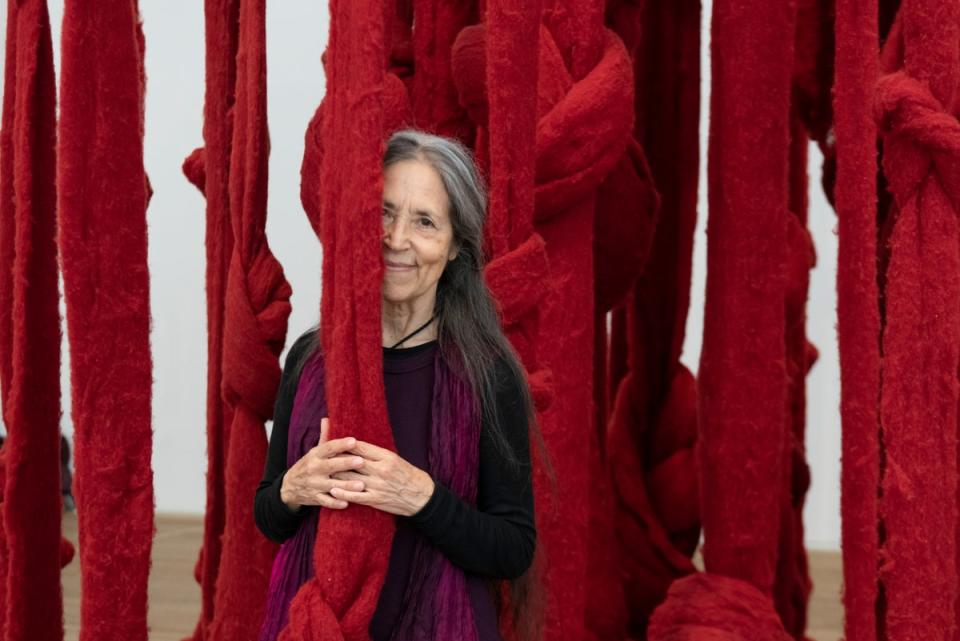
x: 494, y: 540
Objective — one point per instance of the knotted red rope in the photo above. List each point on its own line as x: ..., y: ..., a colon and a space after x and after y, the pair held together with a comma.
x: 652, y: 421
x: 433, y: 95
x: 102, y: 200
x: 921, y: 333
x: 351, y: 560
x: 256, y: 309
x: 586, y: 95
x: 208, y: 169
x: 742, y: 378
x: 31, y: 604
x: 499, y: 92
x: 584, y: 118
x: 713, y: 607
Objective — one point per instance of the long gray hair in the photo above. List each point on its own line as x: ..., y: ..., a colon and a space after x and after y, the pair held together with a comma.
x: 469, y: 328
x: 468, y: 325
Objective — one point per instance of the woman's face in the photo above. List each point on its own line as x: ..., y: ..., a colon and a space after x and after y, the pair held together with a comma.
x: 417, y: 231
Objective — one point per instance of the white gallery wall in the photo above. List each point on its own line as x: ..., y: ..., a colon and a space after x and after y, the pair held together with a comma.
x: 296, y: 37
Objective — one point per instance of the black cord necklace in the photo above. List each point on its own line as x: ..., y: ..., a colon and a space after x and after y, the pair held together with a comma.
x: 413, y: 333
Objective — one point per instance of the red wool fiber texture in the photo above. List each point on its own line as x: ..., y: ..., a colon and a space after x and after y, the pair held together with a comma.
x: 650, y: 426
x: 742, y: 384
x: 792, y: 584
x: 742, y: 379
x: 713, y: 607
x: 248, y: 307
x: 338, y: 603
x: 584, y: 110
x: 31, y: 604
x: 209, y: 169
x: 102, y: 235
x: 858, y: 313
x: 915, y: 109
x: 256, y: 308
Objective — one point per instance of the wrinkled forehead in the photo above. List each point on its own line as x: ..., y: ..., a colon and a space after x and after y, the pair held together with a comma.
x: 414, y: 186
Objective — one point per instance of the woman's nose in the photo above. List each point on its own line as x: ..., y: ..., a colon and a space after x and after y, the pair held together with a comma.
x: 395, y: 233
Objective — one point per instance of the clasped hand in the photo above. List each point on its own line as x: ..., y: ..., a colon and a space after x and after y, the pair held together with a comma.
x: 338, y: 472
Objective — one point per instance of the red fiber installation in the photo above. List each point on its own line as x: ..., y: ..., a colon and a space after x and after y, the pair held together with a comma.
x: 338, y: 603
x: 915, y: 110
x: 102, y: 235
x: 209, y: 169
x: 742, y: 387
x: 507, y: 80
x: 742, y: 379
x: 256, y: 308
x: 433, y: 95
x: 32, y: 604
x: 858, y: 311
x: 585, y: 118
x: 652, y: 430
x: 792, y: 584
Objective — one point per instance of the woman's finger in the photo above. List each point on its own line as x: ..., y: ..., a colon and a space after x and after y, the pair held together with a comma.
x: 370, y: 451
x: 367, y: 469
x: 341, y: 464
x: 353, y: 484
x: 360, y: 498
x: 365, y: 479
x: 327, y: 501
x: 336, y: 446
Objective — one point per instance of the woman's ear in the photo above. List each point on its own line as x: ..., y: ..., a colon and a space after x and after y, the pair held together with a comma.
x: 454, y: 253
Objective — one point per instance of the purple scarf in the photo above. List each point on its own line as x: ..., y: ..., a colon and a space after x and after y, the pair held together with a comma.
x: 436, y: 604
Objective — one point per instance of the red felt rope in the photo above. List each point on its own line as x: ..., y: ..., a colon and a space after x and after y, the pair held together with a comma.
x: 101, y: 208
x: 742, y: 370
x: 31, y: 605
x: 338, y: 603
x: 582, y: 131
x: 792, y: 584
x: 254, y: 328
x: 921, y: 334
x: 433, y: 94
x: 742, y: 388
x: 652, y: 421
x: 208, y: 169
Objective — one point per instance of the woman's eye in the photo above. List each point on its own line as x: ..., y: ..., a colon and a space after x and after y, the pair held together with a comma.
x: 426, y: 222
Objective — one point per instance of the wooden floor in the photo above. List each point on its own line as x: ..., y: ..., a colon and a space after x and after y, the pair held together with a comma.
x: 175, y: 596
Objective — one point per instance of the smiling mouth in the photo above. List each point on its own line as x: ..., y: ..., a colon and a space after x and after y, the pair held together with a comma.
x: 398, y: 266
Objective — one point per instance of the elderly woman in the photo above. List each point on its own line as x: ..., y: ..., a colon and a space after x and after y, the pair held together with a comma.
x: 459, y: 408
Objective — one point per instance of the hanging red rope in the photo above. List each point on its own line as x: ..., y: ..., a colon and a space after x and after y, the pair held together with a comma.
x: 209, y: 169
x: 583, y: 122
x: 858, y: 312
x: 652, y: 428
x: 102, y: 203
x: 338, y: 603
x: 742, y: 379
x: 433, y: 95
x: 254, y: 328
x: 792, y: 584
x: 915, y: 110
x: 31, y: 606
